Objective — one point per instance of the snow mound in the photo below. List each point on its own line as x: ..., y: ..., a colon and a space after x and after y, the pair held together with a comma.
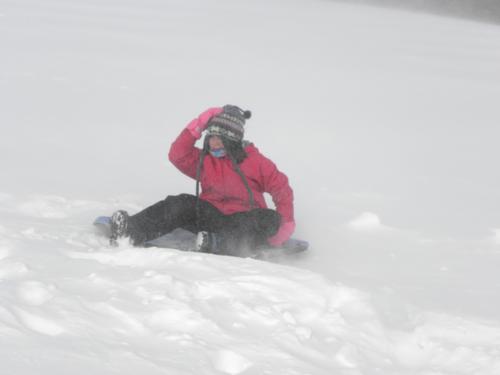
x: 368, y: 222
x: 55, y: 207
x: 496, y: 236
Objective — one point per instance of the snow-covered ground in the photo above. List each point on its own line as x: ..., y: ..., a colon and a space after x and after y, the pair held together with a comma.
x: 386, y: 123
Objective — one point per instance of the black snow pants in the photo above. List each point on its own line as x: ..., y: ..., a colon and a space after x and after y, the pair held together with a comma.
x: 241, y: 230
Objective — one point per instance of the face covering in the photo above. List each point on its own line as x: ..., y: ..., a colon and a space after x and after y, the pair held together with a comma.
x: 218, y: 153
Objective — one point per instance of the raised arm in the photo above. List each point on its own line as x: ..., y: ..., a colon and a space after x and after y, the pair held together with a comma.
x: 183, y: 154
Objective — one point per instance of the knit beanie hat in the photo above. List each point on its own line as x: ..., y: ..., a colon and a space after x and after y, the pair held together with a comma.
x: 229, y: 124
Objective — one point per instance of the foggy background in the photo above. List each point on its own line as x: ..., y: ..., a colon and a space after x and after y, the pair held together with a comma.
x: 481, y: 10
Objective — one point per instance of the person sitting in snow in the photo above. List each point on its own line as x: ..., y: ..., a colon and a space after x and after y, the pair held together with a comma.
x: 230, y: 213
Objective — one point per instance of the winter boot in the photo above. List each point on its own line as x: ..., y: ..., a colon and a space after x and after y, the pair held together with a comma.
x: 119, y: 226
x: 206, y: 242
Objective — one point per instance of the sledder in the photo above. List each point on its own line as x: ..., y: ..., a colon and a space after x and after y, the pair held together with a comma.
x: 230, y: 215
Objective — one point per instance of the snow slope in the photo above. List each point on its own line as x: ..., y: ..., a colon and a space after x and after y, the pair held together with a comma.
x: 385, y: 121
x: 70, y: 303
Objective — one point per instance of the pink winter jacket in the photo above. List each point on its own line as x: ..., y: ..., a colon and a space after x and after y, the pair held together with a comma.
x: 223, y: 187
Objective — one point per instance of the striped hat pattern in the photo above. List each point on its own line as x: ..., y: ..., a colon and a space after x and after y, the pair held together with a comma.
x: 229, y: 124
